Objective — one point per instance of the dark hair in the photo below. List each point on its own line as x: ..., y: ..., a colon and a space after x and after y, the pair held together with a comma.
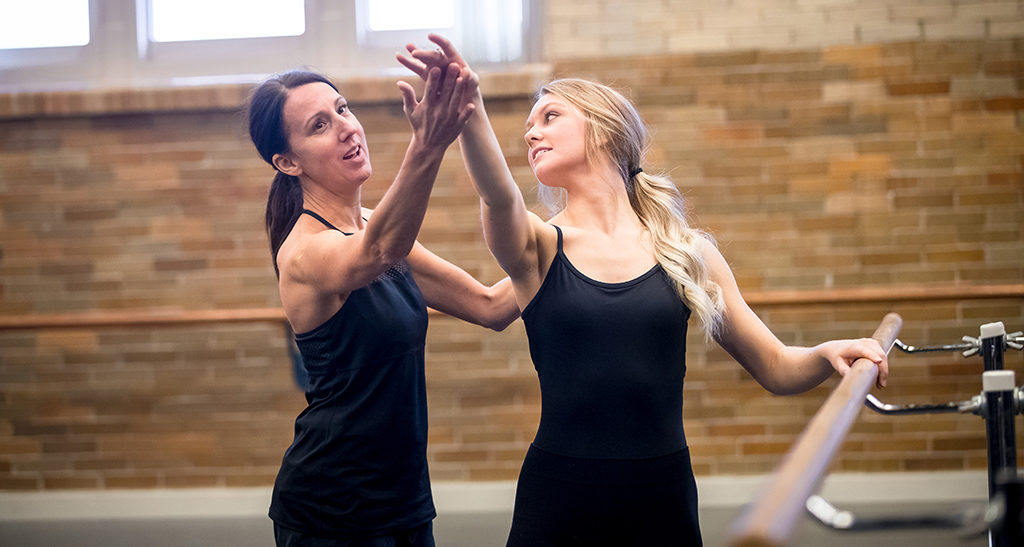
x: 268, y: 134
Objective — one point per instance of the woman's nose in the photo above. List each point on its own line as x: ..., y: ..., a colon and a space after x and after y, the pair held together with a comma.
x: 346, y: 126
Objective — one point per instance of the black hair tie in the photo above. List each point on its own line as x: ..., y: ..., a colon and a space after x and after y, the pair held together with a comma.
x: 635, y: 172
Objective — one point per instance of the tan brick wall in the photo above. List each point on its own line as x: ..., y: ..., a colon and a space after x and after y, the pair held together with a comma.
x: 584, y: 28
x: 881, y: 165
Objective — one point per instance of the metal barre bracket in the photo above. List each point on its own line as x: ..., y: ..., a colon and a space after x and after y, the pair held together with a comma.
x: 971, y: 345
x: 975, y: 517
x: 975, y: 405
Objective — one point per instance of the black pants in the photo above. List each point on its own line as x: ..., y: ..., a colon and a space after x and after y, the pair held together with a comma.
x: 421, y: 536
x: 564, y: 501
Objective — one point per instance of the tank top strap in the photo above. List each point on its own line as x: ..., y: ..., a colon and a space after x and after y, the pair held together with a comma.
x: 559, y: 230
x: 323, y: 220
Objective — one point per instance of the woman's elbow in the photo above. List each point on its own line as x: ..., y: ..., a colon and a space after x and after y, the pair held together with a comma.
x: 791, y: 386
x: 500, y: 323
x: 499, y: 311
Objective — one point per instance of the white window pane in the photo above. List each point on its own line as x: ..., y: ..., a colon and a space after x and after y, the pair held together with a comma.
x: 497, y: 35
x: 182, y: 20
x: 43, y: 23
x: 411, y: 14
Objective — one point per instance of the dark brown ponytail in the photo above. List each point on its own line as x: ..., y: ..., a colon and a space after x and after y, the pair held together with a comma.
x: 284, y: 205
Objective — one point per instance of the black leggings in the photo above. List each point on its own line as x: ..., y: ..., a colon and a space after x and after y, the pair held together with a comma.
x: 421, y: 536
x: 565, y: 501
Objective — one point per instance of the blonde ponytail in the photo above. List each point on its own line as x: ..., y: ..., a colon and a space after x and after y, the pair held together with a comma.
x: 658, y: 203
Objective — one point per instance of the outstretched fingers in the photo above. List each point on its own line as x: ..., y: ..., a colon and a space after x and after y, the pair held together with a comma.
x: 445, y: 107
x: 436, y: 83
x: 462, y: 97
x: 409, y: 102
x: 414, y: 64
x: 447, y: 48
x: 408, y: 97
x: 450, y: 78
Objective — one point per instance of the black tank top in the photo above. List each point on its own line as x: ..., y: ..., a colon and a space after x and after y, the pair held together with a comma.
x: 358, y: 463
x: 611, y: 361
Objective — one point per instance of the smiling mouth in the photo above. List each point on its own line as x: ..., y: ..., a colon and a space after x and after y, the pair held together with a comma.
x: 537, y: 152
x: 353, y: 154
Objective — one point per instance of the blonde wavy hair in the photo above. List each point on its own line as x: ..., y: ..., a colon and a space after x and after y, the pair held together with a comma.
x: 614, y: 127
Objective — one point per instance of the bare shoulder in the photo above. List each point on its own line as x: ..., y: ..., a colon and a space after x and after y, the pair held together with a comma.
x: 718, y: 268
x: 545, y: 235
x: 302, y: 286
x: 708, y: 248
x: 307, y: 243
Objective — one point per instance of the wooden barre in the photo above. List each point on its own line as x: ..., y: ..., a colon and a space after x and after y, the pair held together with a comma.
x: 116, y: 318
x: 883, y: 294
x: 771, y: 519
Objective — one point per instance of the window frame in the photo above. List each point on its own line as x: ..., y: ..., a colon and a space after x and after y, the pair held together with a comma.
x: 120, y: 54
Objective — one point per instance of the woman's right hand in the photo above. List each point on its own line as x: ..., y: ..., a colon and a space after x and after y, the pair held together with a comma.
x: 446, y: 106
x: 421, y: 61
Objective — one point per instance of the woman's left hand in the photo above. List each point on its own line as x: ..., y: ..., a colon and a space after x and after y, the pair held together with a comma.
x: 841, y: 354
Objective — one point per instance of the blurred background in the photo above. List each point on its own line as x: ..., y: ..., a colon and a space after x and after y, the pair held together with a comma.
x: 851, y: 157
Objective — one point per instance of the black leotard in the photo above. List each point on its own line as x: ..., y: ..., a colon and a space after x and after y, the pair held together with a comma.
x: 609, y: 464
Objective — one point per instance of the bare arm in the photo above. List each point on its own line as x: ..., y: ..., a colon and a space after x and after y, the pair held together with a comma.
x: 781, y: 369
x: 449, y: 289
x: 334, y: 264
x: 510, y: 230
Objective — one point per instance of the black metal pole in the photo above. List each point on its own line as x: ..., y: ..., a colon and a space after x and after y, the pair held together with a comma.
x: 999, y: 387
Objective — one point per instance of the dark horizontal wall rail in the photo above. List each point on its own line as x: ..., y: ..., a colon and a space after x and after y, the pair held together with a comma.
x: 115, y: 318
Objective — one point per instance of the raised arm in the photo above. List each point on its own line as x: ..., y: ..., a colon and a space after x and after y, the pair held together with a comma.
x: 781, y: 369
x: 331, y: 263
x: 510, y: 230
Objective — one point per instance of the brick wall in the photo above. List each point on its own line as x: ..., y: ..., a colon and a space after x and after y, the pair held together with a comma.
x: 882, y: 165
x: 615, y: 27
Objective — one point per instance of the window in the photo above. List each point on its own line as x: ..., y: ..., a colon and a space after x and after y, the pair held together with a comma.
x: 182, y: 42
x: 488, y: 31
x: 410, y: 14
x: 44, y: 23
x: 176, y: 21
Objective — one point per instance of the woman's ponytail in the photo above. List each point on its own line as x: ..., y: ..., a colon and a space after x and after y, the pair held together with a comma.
x: 284, y: 205
x: 660, y: 207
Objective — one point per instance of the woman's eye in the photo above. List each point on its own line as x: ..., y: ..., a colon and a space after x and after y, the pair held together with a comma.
x: 550, y: 115
x: 342, y: 108
x: 318, y: 125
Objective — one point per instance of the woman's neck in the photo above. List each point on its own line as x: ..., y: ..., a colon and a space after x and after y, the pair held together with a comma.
x: 599, y: 203
x: 340, y: 209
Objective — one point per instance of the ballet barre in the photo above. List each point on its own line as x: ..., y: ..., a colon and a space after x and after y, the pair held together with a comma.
x: 772, y: 518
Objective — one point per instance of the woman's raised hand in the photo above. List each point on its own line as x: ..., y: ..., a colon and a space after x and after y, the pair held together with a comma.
x: 420, y: 61
x: 446, y: 106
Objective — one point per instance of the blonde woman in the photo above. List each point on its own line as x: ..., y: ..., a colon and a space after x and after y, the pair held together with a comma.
x: 606, y: 287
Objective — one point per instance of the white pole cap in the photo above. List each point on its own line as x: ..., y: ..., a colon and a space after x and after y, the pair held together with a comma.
x: 991, y: 330
x: 997, y: 380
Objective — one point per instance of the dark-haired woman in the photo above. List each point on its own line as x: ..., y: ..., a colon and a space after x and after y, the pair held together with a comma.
x: 354, y: 284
